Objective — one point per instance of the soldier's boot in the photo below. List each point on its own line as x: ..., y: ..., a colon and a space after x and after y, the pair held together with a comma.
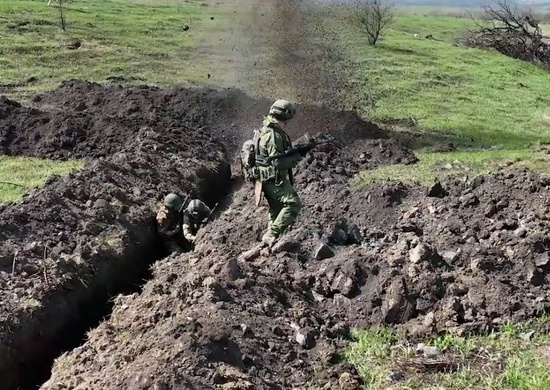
x: 269, y: 238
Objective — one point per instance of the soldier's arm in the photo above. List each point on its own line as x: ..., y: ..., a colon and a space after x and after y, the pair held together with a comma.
x: 273, y: 144
x: 186, y: 229
x: 187, y: 233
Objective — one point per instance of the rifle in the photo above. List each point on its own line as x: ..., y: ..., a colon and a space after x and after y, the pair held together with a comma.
x: 301, y: 149
x: 184, y: 203
x: 209, y: 218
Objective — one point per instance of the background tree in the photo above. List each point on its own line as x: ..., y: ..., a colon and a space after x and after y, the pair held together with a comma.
x: 374, y: 16
x: 61, y: 6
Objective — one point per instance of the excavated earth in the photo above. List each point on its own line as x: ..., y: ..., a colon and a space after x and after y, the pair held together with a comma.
x: 461, y: 256
x: 67, y: 248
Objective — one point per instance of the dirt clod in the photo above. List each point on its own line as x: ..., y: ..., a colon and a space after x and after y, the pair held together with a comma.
x: 323, y: 251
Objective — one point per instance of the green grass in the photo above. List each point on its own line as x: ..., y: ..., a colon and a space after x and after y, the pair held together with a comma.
x: 479, y: 100
x: 141, y: 40
x: 489, y: 106
x: 19, y: 174
x: 503, y: 360
x: 475, y: 97
x: 435, y: 166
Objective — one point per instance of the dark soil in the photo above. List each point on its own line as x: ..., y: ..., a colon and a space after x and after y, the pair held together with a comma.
x: 83, y: 238
x: 84, y: 119
x: 462, y: 256
x: 232, y: 315
x: 67, y: 248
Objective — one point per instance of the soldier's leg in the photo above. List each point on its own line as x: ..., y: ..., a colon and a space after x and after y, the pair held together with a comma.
x: 291, y: 206
x: 275, y: 206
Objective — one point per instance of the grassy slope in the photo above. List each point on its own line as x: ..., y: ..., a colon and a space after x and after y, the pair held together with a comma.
x: 478, y: 100
x: 19, y: 174
x: 119, y: 38
x: 510, y: 358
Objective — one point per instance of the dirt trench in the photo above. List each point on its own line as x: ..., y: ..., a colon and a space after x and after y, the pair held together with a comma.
x: 69, y: 248
x: 232, y: 315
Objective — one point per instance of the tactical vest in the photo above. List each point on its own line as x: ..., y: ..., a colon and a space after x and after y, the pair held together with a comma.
x: 254, y: 164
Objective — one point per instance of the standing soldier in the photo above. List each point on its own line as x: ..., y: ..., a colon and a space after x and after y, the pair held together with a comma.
x: 275, y: 170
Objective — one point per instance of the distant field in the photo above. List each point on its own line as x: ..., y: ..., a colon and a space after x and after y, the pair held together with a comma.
x: 128, y: 41
x: 140, y: 41
x: 476, y: 99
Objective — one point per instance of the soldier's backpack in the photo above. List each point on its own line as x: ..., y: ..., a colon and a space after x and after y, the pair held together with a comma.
x: 249, y: 153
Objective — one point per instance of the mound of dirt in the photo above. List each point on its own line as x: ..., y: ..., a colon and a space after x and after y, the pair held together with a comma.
x: 84, y: 119
x: 233, y: 315
x: 67, y: 248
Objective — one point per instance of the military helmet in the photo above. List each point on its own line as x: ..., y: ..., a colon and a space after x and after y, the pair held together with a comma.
x: 282, y: 109
x: 172, y: 201
x: 195, y: 207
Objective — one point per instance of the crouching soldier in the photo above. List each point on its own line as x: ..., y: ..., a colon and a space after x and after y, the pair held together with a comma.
x: 169, y: 223
x: 194, y: 216
x: 177, y: 227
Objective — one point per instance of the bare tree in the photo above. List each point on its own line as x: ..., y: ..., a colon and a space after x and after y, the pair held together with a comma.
x: 512, y: 32
x: 374, y: 16
x: 61, y: 11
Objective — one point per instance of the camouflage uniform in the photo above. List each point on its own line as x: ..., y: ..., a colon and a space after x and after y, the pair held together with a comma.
x: 276, y: 177
x: 169, y: 227
x: 193, y: 217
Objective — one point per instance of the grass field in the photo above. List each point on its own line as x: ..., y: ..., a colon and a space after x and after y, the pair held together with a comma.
x: 491, y: 107
x: 480, y: 101
x: 510, y: 358
x: 477, y: 98
x: 19, y: 174
x: 140, y: 41
x: 143, y: 41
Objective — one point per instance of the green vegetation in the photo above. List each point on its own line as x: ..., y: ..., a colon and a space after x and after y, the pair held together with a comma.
x: 143, y: 41
x: 19, y: 174
x: 135, y: 42
x: 511, y: 358
x: 471, y: 163
x: 483, y: 102
x: 477, y: 98
x: 491, y: 107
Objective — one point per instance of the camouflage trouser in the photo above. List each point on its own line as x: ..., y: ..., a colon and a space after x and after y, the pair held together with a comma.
x: 284, y: 205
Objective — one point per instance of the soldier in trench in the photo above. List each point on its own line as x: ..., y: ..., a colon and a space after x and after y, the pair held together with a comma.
x: 178, y: 226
